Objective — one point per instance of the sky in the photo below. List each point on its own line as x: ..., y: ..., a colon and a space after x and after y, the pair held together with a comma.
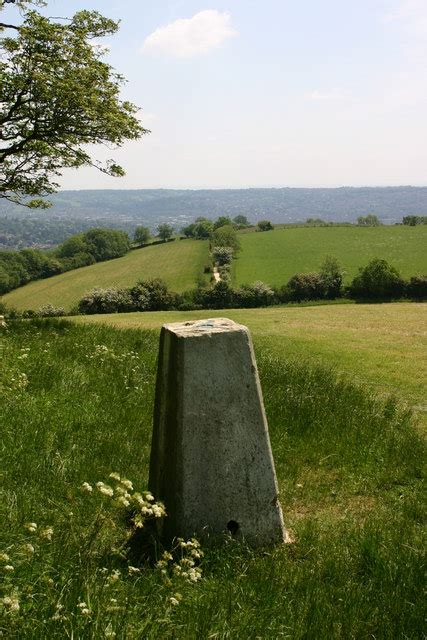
x: 271, y: 93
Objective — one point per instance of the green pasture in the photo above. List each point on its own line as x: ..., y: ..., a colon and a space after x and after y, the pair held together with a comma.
x: 178, y: 263
x: 275, y: 256
x: 382, y: 345
x: 77, y: 403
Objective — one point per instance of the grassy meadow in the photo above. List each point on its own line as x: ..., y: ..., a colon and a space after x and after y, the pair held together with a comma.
x: 275, y: 256
x: 178, y: 263
x: 382, y: 345
x: 77, y: 404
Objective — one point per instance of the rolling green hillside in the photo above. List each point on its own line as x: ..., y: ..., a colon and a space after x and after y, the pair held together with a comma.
x: 178, y: 263
x: 275, y: 256
x: 382, y: 345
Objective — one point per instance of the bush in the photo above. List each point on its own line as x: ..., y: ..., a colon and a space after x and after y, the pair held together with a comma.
x: 226, y: 236
x: 377, y: 281
x: 151, y: 295
x: 417, y: 287
x: 332, y: 276
x: 264, y: 225
x: 413, y: 221
x: 306, y: 286
x: 219, y: 296
x: 368, y: 221
x: 222, y: 255
x: 253, y: 295
x: 49, y: 311
x: 106, y: 301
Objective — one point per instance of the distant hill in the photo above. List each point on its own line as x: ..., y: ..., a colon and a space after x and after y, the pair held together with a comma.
x: 179, y: 264
x: 151, y: 206
x: 273, y: 257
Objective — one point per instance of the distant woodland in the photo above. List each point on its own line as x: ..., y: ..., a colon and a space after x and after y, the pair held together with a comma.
x: 76, y: 211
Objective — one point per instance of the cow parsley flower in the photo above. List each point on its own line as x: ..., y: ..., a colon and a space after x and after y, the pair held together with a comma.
x: 105, y: 489
x: 11, y: 603
x: 47, y: 533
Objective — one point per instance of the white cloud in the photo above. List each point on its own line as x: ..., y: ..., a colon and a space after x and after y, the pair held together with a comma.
x: 188, y: 37
x: 330, y: 94
x: 411, y: 17
x: 413, y: 13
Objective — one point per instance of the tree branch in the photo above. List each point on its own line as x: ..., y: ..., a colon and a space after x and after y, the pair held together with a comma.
x: 3, y: 25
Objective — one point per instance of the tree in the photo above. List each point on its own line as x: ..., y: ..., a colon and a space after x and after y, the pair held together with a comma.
x: 58, y: 97
x: 221, y: 222
x: 369, y: 221
x: 241, y: 221
x: 189, y: 230
x: 105, y: 244
x: 265, y: 225
x: 165, y: 231
x: 203, y: 228
x: 332, y: 277
x: 413, y: 221
x: 141, y: 235
x: 226, y: 237
x: 379, y: 280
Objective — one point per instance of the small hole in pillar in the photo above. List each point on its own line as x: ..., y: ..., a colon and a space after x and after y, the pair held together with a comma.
x: 233, y: 527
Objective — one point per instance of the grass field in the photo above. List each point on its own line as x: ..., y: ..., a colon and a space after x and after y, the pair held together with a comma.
x: 178, y: 263
x: 77, y: 404
x: 275, y: 256
x: 383, y: 345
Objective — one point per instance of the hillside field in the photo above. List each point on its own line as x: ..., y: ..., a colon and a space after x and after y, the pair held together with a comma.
x: 77, y: 404
x: 275, y: 256
x: 382, y: 345
x: 178, y: 263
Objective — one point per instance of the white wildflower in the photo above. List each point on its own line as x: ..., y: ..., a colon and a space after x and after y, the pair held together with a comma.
x: 158, y: 510
x: 11, y: 603
x: 138, y: 521
x: 28, y: 548
x: 127, y: 483
x: 87, y: 487
x: 174, y: 601
x: 105, y: 489
x: 109, y: 633
x: 47, y: 533
x: 9, y: 568
x: 133, y: 570
x: 84, y: 609
x: 114, y: 576
x: 194, y: 574
x: 123, y: 501
x: 115, y: 476
x: 148, y: 496
x: 31, y: 527
x: 4, y: 557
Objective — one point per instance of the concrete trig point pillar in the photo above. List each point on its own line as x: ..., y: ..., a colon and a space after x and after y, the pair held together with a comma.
x: 211, y: 461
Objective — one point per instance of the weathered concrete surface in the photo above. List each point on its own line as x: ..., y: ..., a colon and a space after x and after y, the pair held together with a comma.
x: 211, y: 461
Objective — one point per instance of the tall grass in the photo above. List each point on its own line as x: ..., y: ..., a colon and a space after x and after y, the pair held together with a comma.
x: 349, y: 470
